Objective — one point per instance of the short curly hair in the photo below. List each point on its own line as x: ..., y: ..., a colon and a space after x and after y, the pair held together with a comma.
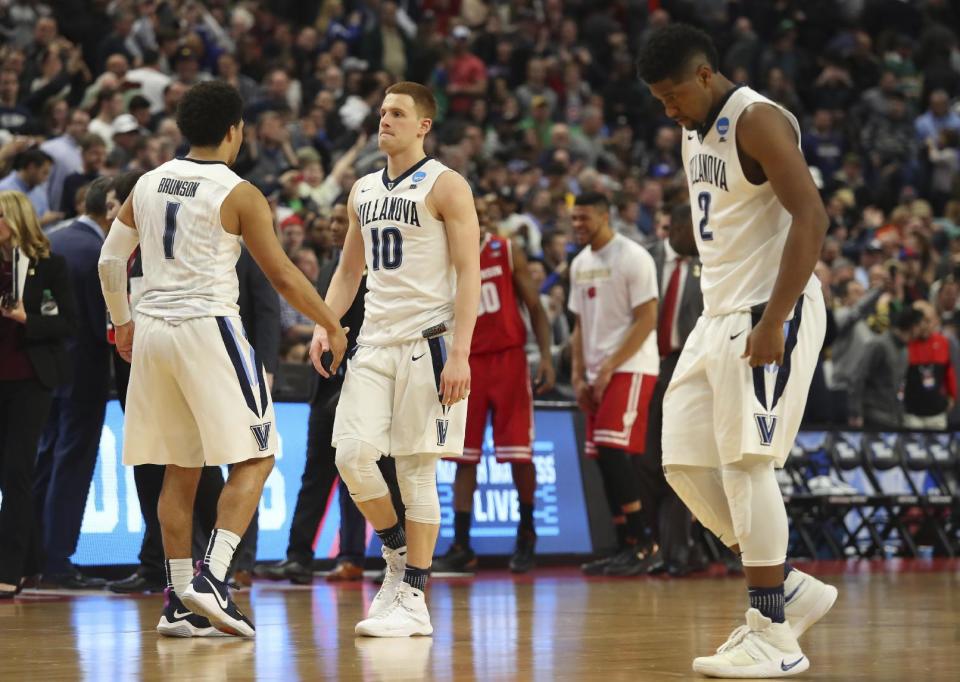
x: 207, y: 111
x: 669, y: 49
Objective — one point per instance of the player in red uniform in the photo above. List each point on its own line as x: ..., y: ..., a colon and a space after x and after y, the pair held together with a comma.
x: 501, y: 386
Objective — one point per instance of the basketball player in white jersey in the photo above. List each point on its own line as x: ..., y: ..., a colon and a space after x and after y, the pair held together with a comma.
x: 734, y: 405
x: 197, y: 393
x: 414, y: 228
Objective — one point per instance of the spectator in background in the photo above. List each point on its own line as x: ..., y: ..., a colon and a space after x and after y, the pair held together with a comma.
x: 31, y: 168
x: 878, y: 382
x: 823, y: 146
x: 109, y: 106
x: 151, y: 79
x: 269, y: 151
x: 931, y: 386
x: 466, y: 75
x: 937, y: 118
x: 65, y: 151
x: 36, y: 313
x: 297, y: 328
x: 71, y: 439
x: 93, y: 155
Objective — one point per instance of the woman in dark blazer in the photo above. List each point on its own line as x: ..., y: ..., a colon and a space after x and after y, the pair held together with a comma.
x: 36, y: 312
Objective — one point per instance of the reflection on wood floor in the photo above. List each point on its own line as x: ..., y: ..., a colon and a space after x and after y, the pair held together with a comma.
x: 892, y: 622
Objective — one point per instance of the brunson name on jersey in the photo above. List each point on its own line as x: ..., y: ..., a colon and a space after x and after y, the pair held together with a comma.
x: 180, y: 188
x: 708, y: 168
x: 397, y: 209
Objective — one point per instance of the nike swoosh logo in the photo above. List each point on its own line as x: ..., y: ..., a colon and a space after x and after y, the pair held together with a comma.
x: 181, y: 614
x: 738, y: 334
x: 365, y: 190
x: 792, y: 594
x: 784, y: 666
x: 417, y: 357
x: 220, y: 600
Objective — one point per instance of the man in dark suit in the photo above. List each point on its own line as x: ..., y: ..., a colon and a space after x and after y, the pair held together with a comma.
x: 71, y: 440
x: 678, y: 273
x: 320, y: 471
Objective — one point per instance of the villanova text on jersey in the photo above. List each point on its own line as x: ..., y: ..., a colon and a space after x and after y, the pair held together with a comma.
x: 389, y: 208
x: 710, y: 169
x: 179, y: 188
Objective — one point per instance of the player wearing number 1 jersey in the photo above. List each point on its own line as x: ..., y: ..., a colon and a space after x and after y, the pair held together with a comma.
x: 197, y: 393
x: 501, y: 388
x: 414, y: 227
x: 736, y: 398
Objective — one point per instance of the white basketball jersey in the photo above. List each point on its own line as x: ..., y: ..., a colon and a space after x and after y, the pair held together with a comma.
x: 740, y: 227
x: 411, y: 281
x: 189, y: 260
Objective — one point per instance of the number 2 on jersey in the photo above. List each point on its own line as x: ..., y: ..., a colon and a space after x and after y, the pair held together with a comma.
x: 704, y: 201
x: 387, y: 248
x: 170, y: 229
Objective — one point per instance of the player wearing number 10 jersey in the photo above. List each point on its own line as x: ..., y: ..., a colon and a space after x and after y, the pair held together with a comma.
x: 414, y: 227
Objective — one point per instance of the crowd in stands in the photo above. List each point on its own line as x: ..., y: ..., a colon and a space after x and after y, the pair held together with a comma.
x: 539, y: 101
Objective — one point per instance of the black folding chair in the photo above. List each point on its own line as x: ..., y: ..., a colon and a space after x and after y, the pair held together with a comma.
x: 856, y: 516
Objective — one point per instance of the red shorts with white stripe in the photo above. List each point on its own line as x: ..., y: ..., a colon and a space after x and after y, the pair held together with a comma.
x: 621, y: 420
x: 499, y: 383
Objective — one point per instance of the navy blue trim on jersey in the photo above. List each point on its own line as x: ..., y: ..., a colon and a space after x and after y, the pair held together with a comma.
x: 258, y: 368
x: 438, y: 356
x: 231, y: 345
x: 703, y: 129
x: 206, y: 162
x: 793, y: 330
x: 391, y: 184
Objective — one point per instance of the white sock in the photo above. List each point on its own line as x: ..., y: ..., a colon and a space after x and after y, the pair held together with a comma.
x: 220, y: 551
x: 179, y: 574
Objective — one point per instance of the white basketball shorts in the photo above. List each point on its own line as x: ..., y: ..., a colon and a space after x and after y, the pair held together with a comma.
x: 197, y: 395
x: 718, y: 409
x: 390, y: 400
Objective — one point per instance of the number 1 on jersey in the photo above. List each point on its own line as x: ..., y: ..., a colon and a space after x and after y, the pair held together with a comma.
x: 170, y: 229
x: 704, y: 201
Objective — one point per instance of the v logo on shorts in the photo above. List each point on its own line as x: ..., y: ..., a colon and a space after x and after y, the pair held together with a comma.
x: 262, y: 433
x: 442, y: 426
x: 766, y: 425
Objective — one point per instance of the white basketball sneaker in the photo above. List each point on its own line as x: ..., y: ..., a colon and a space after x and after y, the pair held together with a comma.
x: 805, y: 600
x: 396, y: 565
x: 760, y: 649
x: 405, y: 617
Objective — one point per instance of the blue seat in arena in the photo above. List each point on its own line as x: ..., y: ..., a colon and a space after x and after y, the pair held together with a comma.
x: 805, y: 481
x: 861, y: 514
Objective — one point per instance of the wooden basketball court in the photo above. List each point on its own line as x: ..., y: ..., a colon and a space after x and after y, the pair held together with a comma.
x: 893, y: 621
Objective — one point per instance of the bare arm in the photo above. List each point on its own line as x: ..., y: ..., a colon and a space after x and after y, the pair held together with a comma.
x: 453, y: 200
x: 546, y: 375
x: 346, y: 280
x: 767, y: 137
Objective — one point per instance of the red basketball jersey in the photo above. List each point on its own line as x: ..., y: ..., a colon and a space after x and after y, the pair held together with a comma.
x: 499, y: 325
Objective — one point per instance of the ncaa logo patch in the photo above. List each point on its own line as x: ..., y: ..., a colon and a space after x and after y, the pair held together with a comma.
x: 418, y: 176
x: 494, y: 246
x: 723, y: 125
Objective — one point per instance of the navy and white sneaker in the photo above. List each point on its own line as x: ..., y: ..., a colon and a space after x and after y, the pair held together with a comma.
x: 179, y: 621
x: 210, y: 597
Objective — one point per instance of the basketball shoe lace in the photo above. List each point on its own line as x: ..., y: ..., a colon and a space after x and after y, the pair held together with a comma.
x: 737, y: 636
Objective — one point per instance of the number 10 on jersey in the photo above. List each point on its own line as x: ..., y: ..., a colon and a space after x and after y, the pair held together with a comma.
x: 387, y: 247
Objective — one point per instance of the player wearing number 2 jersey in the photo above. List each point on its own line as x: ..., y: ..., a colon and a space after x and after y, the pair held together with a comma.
x: 736, y: 398
x: 197, y: 394
x: 414, y: 227
x: 501, y: 388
